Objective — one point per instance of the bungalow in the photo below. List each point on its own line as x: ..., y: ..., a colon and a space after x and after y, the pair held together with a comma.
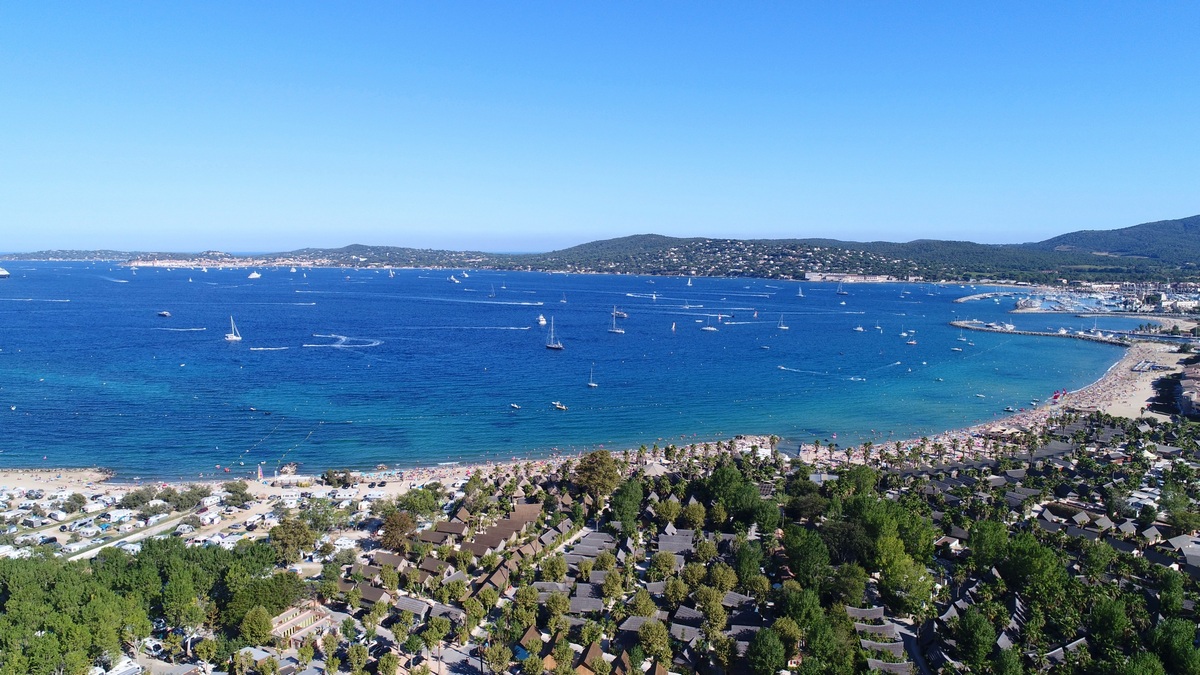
x: 418, y: 608
x: 297, y: 624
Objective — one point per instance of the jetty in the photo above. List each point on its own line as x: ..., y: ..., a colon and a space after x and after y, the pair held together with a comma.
x: 975, y: 324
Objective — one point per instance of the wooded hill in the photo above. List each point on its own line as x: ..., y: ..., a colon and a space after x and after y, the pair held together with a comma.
x: 1155, y: 251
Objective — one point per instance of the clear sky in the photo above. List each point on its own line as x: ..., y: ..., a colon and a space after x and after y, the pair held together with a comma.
x: 513, y: 126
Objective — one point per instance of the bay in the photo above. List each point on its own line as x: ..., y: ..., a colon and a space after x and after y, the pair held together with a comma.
x: 353, y: 368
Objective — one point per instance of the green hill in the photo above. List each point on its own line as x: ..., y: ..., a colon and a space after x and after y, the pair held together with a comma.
x: 1173, y: 242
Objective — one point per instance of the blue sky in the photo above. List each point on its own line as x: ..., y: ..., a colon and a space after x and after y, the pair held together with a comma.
x: 532, y: 126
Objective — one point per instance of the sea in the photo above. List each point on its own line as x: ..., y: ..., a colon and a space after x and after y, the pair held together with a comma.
x: 356, y: 368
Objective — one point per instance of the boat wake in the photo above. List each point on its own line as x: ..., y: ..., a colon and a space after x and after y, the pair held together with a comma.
x: 181, y: 330
x: 269, y: 349
x: 343, y: 342
x: 115, y: 281
x: 805, y: 372
x: 33, y: 300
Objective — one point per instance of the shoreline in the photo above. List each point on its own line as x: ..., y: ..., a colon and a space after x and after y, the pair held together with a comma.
x: 1120, y: 391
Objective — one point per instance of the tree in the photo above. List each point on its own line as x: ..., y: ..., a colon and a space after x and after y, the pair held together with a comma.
x: 975, y: 636
x: 662, y: 564
x: 704, y: 551
x: 255, y: 628
x: 626, y: 504
x: 436, y: 630
x: 1109, y: 623
x: 329, y: 644
x: 722, y: 577
x: 675, y: 592
x: 613, y: 586
x: 74, y: 503
x: 667, y: 511
x: 1008, y: 662
x: 989, y: 540
x: 1142, y: 663
x: 497, y: 657
x: 789, y: 634
x: 357, y: 656
x: 807, y: 554
x: 748, y: 561
x: 766, y: 654
x: 206, y: 651
x: 1170, y: 593
x: 694, y: 515
x: 306, y: 652
x: 554, y: 568
x: 1173, y: 642
x: 557, y: 604
x: 290, y: 538
x: 600, y: 667
x: 388, y: 664
x: 849, y: 584
x: 597, y: 474
x: 533, y: 665
x: 605, y: 560
x: 642, y: 604
x: 655, y: 640
x: 396, y: 529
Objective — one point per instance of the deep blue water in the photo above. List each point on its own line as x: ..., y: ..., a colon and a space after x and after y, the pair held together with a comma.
x: 414, y: 369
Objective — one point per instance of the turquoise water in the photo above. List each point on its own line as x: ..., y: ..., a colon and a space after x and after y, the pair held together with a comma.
x: 356, y: 368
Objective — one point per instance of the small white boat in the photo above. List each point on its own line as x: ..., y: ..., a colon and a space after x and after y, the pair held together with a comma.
x: 689, y: 281
x: 514, y: 406
x: 956, y: 349
x: 465, y: 275
x: 911, y: 342
x: 711, y: 329
x: 591, y: 379
x: 254, y: 275
x: 859, y: 329
x: 980, y: 396
x: 842, y: 303
x: 618, y: 313
x: 233, y: 335
x: 782, y: 325
x: 840, y: 291
x: 558, y: 406
x: 292, y: 270
x: 3, y: 273
x: 454, y: 280
x: 541, y: 320
x: 165, y: 314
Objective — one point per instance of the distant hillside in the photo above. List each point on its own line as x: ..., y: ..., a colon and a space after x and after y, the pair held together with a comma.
x: 1175, y: 242
x: 1168, y: 248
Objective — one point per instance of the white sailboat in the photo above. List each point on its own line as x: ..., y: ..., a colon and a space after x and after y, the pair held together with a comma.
x: 689, y: 281
x: 591, y: 379
x: 840, y: 291
x: 553, y: 342
x: 233, y: 335
x: 782, y: 325
x: 615, y: 328
x: 799, y: 291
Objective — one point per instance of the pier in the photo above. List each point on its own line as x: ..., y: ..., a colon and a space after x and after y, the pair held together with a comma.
x: 976, y: 325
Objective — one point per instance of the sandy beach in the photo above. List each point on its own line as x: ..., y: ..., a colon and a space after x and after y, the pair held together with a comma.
x: 1121, y: 391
